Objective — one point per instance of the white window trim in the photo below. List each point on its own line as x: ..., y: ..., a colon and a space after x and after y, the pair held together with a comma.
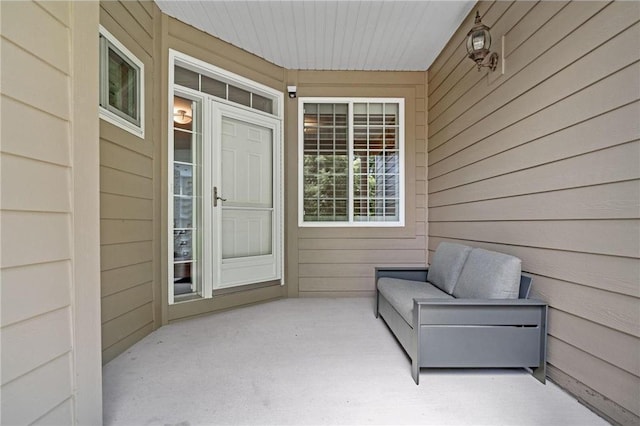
x: 350, y: 101
x: 197, y: 65
x: 110, y: 116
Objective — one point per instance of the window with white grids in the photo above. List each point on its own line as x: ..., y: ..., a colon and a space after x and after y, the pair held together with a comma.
x: 351, y: 162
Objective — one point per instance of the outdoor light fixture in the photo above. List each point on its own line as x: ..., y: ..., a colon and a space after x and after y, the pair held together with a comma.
x: 478, y: 44
x: 181, y: 116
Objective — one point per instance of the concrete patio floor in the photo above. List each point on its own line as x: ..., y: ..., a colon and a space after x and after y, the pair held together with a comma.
x: 312, y: 361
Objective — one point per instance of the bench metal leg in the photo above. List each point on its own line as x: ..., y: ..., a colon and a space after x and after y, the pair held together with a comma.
x: 376, y: 308
x: 540, y: 373
x: 415, y: 371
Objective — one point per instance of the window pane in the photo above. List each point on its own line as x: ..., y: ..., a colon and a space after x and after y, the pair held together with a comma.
x: 214, y: 87
x: 375, y: 115
x: 183, y: 179
x: 182, y: 211
x: 182, y: 278
x: 325, y: 168
x: 185, y: 77
x: 183, y: 113
x: 390, y: 138
x: 391, y: 114
x: 263, y: 104
x: 239, y: 96
x: 182, y: 146
x: 123, y: 85
x: 182, y: 245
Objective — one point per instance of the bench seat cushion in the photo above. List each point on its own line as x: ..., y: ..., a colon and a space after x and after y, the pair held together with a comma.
x: 400, y: 294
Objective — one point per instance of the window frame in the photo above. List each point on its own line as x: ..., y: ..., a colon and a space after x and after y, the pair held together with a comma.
x: 107, y: 112
x: 350, y: 101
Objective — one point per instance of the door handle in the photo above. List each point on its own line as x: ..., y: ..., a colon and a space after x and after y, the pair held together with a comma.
x: 216, y: 197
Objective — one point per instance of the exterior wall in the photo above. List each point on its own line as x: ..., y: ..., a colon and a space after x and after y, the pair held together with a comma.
x: 127, y: 197
x: 49, y: 278
x: 341, y: 261
x: 181, y: 37
x: 543, y: 162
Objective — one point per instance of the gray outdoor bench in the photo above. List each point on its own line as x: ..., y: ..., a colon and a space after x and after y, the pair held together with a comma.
x: 470, y: 308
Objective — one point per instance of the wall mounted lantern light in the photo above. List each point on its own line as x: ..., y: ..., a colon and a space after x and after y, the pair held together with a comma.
x: 478, y: 44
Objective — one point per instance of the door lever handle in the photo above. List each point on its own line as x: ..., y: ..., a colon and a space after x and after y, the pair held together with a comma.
x: 216, y: 197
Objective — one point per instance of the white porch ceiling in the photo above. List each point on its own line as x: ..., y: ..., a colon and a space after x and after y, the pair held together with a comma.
x: 329, y: 35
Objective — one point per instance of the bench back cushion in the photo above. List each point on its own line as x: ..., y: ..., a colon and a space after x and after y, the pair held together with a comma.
x: 446, y: 265
x: 489, y: 275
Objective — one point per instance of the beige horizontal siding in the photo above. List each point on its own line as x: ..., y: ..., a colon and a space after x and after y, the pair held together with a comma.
x: 611, y: 345
x: 120, y: 279
x: 609, y: 129
x: 126, y: 342
x: 59, y: 415
x: 125, y: 254
x: 42, y: 332
x: 345, y: 270
x: 54, y: 130
x: 126, y: 199
x: 52, y: 384
x: 46, y: 130
x: 543, y: 162
x: 607, y: 201
x: 126, y: 324
x: 45, y: 181
x: 21, y: 302
x: 29, y: 78
x: 35, y: 213
x: 120, y: 303
x: 117, y: 157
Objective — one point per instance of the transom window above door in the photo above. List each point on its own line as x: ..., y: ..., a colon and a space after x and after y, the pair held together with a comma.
x: 218, y: 87
x: 351, y: 162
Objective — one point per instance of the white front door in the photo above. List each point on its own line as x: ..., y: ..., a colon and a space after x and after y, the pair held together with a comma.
x: 246, y: 197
